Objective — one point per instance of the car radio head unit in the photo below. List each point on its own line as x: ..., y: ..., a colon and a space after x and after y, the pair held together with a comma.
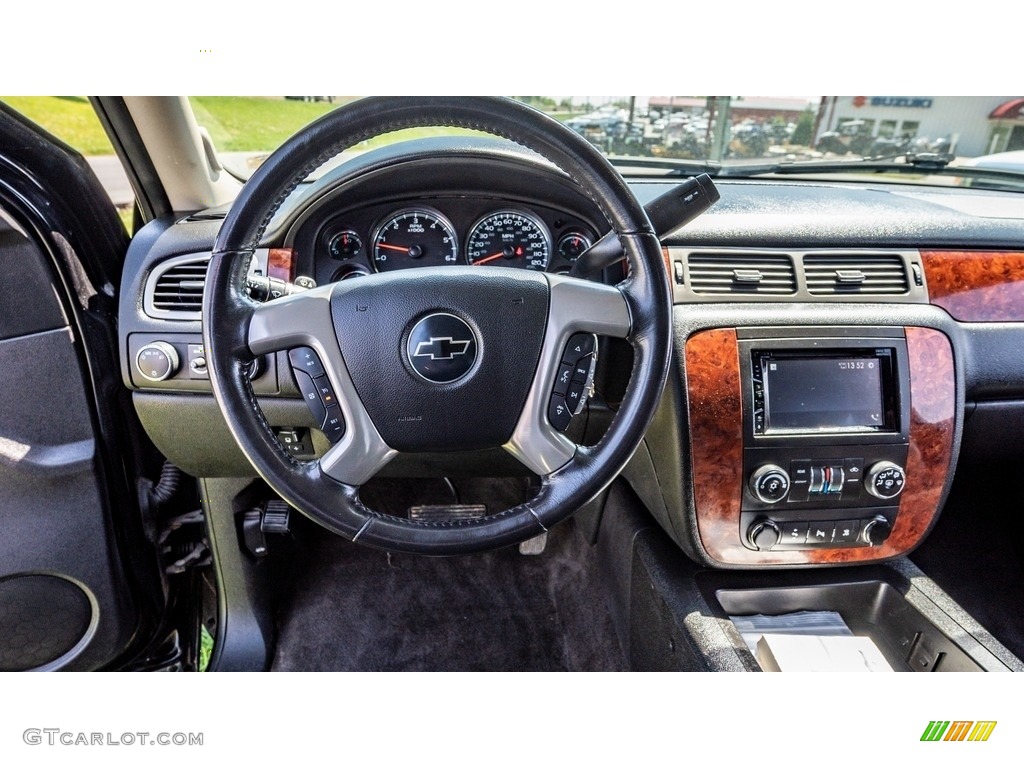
x: 824, y: 391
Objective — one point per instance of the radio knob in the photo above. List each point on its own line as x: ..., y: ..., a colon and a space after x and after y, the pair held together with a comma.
x: 877, y: 531
x: 157, y: 361
x: 769, y: 483
x: 764, y: 534
x: 885, y: 480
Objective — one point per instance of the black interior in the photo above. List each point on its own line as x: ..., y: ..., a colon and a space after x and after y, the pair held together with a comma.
x: 134, y: 524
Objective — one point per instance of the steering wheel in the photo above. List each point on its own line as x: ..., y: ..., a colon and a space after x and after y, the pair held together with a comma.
x: 507, y: 329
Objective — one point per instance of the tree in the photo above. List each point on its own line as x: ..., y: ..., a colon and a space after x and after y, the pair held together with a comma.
x: 804, y: 128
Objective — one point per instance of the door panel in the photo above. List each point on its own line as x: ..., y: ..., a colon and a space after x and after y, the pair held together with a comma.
x: 79, y: 583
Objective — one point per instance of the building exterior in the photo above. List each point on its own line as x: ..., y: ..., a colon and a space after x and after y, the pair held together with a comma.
x: 975, y: 125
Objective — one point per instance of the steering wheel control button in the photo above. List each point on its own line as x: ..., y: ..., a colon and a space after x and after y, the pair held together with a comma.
x: 157, y: 361
x: 559, y: 413
x: 311, y: 394
x: 580, y: 345
x: 770, y: 484
x: 442, y: 348
x: 334, y: 424
x: 562, y: 379
x: 323, y: 388
x: 885, y: 480
x: 305, y: 359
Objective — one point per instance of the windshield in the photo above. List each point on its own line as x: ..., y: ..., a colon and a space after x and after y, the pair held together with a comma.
x: 910, y: 138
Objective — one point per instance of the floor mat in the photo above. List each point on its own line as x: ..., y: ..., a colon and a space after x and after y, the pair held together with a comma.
x: 354, y: 608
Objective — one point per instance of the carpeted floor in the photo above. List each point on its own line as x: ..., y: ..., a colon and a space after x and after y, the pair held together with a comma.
x: 354, y: 608
x: 974, y: 552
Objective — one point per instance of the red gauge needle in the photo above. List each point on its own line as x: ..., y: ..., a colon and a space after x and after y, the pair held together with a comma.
x: 500, y: 255
x: 488, y: 259
x: 393, y: 247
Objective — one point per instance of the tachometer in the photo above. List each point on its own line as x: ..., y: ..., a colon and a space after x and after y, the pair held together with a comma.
x: 509, y: 239
x: 417, y: 237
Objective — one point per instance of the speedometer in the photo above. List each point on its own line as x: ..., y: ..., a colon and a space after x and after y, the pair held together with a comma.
x: 509, y: 239
x: 417, y: 237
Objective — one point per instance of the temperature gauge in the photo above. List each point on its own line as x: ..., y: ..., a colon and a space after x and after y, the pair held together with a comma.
x: 572, y: 244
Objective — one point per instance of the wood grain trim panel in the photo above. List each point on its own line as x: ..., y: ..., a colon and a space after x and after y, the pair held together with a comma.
x: 716, y: 449
x: 977, y: 286
x: 716, y: 439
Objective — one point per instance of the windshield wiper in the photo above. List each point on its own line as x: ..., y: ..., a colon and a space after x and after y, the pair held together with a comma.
x: 672, y: 166
x: 923, y: 163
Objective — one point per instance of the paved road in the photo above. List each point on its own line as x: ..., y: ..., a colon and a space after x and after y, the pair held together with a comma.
x: 111, y: 175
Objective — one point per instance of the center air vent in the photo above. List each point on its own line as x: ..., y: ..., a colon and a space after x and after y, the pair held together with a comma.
x: 741, y: 273
x: 175, y: 287
x: 855, y: 274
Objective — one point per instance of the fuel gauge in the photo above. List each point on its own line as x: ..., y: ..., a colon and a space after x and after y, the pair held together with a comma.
x: 344, y: 245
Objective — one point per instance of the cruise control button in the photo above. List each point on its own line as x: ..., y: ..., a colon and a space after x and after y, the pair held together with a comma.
x: 562, y: 379
x: 558, y: 413
x: 310, y: 393
x: 323, y: 387
x: 305, y: 359
x: 334, y: 424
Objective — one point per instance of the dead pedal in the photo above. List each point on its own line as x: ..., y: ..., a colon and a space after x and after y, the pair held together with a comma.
x: 447, y: 513
x: 534, y: 546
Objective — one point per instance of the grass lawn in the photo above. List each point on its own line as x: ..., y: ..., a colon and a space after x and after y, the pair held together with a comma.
x: 236, y: 123
x: 69, y: 118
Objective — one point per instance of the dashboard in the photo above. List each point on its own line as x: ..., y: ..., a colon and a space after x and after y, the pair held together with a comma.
x: 831, y: 337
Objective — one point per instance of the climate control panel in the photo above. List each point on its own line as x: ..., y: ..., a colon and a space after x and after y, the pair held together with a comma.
x: 820, y: 496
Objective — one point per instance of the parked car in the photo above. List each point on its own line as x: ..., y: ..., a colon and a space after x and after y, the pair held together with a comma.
x: 500, y: 448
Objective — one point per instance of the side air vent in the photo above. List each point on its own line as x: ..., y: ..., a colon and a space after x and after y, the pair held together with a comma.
x: 741, y: 273
x: 175, y: 287
x: 855, y: 274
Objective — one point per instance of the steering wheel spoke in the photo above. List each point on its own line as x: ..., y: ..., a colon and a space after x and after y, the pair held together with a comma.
x: 577, y: 310
x: 304, y: 320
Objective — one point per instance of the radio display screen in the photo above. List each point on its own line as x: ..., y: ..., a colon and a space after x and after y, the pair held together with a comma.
x: 825, y: 393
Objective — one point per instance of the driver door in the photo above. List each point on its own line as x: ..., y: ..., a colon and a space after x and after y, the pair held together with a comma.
x: 79, y: 587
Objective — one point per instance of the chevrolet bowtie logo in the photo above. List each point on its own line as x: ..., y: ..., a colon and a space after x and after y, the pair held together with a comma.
x: 441, y: 348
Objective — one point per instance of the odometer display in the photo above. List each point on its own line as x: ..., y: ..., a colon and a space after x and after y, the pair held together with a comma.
x: 415, y: 238
x: 509, y: 239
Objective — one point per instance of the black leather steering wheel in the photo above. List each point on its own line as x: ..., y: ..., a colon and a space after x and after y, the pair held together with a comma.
x: 517, y: 321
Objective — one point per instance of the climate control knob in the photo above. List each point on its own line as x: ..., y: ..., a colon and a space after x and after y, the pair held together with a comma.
x: 764, y: 534
x: 157, y: 361
x: 885, y: 480
x: 769, y: 483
